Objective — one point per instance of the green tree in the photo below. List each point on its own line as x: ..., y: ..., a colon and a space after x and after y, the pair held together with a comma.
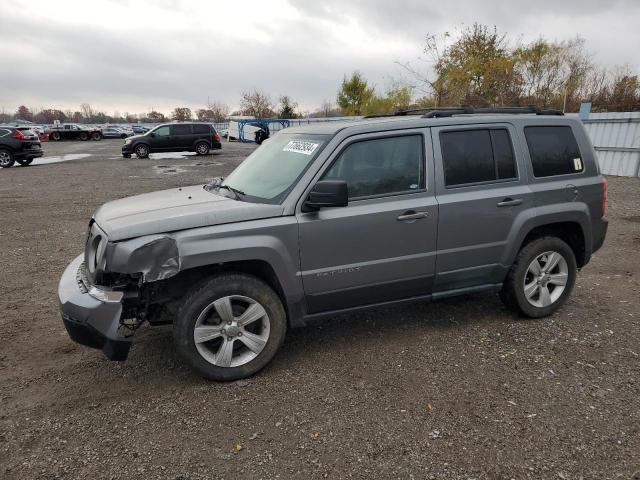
x: 478, y: 69
x: 287, y: 108
x: 355, y: 94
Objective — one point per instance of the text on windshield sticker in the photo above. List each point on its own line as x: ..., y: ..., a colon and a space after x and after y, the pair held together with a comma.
x: 300, y: 146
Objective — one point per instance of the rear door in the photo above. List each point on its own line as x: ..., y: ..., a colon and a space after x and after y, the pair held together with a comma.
x: 481, y: 187
x: 181, y: 136
x: 381, y: 247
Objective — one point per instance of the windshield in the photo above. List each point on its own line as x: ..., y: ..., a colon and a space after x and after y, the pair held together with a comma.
x: 269, y: 172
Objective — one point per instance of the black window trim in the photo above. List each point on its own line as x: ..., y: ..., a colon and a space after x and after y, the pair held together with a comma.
x: 495, y: 164
x: 570, y: 127
x: 394, y: 134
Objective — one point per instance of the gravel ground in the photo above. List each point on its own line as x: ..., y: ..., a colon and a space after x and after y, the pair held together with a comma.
x: 455, y: 389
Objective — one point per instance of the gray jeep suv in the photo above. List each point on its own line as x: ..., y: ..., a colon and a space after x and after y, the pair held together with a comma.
x: 341, y: 216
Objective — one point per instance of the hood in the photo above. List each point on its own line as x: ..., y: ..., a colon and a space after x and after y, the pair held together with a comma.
x: 137, y: 136
x: 175, y: 209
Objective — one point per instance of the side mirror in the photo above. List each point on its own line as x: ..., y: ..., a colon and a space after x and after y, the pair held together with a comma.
x: 327, y: 193
x: 152, y: 134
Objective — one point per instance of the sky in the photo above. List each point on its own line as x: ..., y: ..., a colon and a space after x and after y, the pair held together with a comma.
x: 134, y: 55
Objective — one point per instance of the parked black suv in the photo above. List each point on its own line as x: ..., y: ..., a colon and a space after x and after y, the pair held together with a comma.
x: 174, y: 137
x: 15, y: 147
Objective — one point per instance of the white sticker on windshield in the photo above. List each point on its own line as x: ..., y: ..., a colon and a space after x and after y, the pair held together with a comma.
x: 300, y: 146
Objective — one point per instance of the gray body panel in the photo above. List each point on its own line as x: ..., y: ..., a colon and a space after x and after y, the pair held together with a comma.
x: 175, y: 209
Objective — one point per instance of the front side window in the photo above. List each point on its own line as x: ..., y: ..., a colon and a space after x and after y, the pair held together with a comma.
x: 381, y: 167
x: 553, y: 150
x: 161, y: 131
x: 180, y: 130
x: 269, y: 173
x: 477, y: 156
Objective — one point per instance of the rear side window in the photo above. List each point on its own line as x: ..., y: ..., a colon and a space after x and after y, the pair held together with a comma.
x: 553, y: 150
x: 180, y: 130
x: 476, y: 156
x: 199, y: 128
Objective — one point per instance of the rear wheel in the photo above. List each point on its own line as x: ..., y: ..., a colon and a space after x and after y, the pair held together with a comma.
x: 230, y: 327
x: 96, y: 136
x: 142, y: 151
x: 6, y: 158
x: 25, y: 161
x: 541, y: 278
x: 56, y: 136
x: 84, y: 136
x: 202, y: 148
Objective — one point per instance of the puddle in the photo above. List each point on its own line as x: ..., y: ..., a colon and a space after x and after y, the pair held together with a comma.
x: 61, y: 158
x: 170, y: 169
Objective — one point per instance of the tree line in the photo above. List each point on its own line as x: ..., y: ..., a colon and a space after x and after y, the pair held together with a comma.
x: 479, y: 66
x: 255, y: 103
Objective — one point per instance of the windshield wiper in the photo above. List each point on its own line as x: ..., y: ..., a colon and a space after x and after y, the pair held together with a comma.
x: 235, y: 191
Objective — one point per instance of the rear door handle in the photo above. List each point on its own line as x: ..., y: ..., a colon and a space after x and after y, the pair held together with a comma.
x: 411, y: 215
x: 510, y: 202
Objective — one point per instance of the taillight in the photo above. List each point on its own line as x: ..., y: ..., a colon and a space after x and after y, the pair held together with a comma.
x: 18, y: 135
x: 604, y: 197
x: 216, y: 137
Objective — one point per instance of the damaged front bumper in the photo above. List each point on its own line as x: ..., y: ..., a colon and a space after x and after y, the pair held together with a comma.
x: 91, y: 314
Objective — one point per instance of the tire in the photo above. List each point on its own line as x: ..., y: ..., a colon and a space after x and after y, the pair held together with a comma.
x: 124, y: 135
x: 95, y: 136
x: 202, y: 148
x: 55, y: 136
x: 25, y: 162
x: 235, y: 293
x: 142, y: 151
x: 524, y: 288
x: 84, y: 136
x: 6, y: 158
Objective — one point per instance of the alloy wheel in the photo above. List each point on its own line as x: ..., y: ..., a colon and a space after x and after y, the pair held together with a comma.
x: 545, y: 279
x: 231, y: 331
x: 5, y: 158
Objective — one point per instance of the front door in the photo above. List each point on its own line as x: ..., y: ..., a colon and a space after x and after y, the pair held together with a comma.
x: 381, y: 247
x: 160, y: 140
x: 480, y: 191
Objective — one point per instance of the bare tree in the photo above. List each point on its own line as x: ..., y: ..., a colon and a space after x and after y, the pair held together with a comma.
x: 256, y: 103
x: 87, y: 111
x: 219, y: 111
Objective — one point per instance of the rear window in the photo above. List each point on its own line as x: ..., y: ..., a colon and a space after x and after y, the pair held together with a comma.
x: 553, y: 150
x: 477, y: 156
x: 180, y: 130
x: 200, y: 128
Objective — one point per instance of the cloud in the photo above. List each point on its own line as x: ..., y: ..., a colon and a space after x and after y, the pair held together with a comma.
x: 130, y: 56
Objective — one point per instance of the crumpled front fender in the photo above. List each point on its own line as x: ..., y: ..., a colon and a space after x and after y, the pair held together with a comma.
x: 156, y: 257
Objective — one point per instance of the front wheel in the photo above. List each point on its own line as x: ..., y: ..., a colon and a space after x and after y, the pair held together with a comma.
x: 541, y: 278
x: 84, y: 136
x: 6, y: 158
x: 95, y: 136
x: 142, y: 151
x: 230, y: 327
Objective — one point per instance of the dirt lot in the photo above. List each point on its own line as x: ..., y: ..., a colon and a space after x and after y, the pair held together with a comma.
x: 455, y: 389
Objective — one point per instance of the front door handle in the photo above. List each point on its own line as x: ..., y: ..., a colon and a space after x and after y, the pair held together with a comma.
x: 510, y: 202
x: 411, y: 215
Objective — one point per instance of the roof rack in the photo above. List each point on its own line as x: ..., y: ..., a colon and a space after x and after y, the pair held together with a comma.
x: 467, y: 110
x: 448, y: 112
